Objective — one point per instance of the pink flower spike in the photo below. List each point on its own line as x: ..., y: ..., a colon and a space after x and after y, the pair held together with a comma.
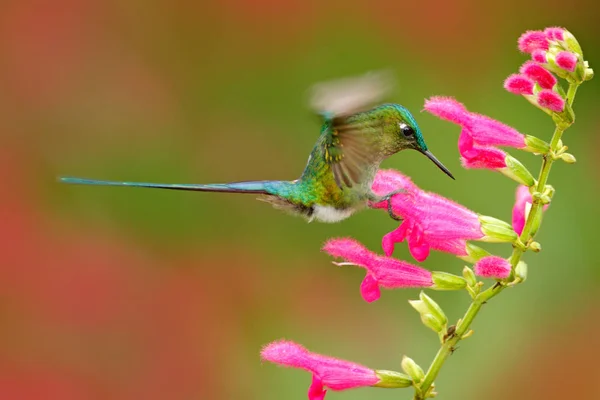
x: 555, y: 33
x: 519, y: 84
x: 539, y: 56
x: 539, y: 74
x: 551, y: 100
x: 448, y: 108
x: 566, y: 60
x: 430, y: 220
x: 533, y: 40
x: 492, y: 267
x: 520, y: 211
x: 381, y: 271
x: 327, y: 371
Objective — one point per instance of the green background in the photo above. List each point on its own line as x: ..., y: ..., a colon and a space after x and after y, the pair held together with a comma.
x: 123, y: 294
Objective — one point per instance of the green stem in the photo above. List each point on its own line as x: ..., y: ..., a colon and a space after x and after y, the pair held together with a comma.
x: 463, y: 325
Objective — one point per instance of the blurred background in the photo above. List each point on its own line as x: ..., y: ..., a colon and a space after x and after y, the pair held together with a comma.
x: 111, y: 293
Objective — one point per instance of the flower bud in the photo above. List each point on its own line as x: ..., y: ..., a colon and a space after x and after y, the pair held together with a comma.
x: 446, y: 281
x: 496, y: 231
x: 521, y: 271
x: 412, y: 369
x: 536, y: 145
x: 517, y: 171
x: 568, y: 158
x: 535, y: 247
x: 392, y: 379
x: 474, y: 253
x: 588, y: 74
x: 433, y: 308
x: 431, y: 314
x: 469, y: 276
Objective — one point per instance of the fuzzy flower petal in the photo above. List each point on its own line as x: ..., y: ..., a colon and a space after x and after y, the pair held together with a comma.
x: 523, y: 203
x: 485, y: 131
x: 430, y: 221
x: 492, y: 267
x: 533, y: 40
x: 519, y: 84
x: 539, y: 74
x: 382, y: 271
x: 327, y: 371
x: 551, y: 100
x: 539, y: 56
x: 555, y: 33
x: 566, y: 60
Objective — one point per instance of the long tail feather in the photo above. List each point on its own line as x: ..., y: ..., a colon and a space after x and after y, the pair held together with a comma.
x: 233, y: 187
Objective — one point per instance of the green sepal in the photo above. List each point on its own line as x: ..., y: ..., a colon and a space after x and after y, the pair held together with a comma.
x: 474, y: 253
x: 392, y: 379
x: 496, y: 230
x: 536, y: 145
x: 446, y: 281
x: 517, y: 171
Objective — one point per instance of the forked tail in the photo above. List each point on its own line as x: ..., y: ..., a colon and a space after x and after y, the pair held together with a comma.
x: 262, y: 187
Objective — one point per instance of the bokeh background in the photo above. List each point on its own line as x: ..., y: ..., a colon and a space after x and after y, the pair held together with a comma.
x: 110, y: 293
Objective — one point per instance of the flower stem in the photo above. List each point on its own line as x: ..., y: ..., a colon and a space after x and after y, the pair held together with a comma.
x: 463, y: 325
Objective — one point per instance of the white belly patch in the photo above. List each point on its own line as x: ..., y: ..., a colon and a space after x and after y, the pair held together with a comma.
x: 330, y: 214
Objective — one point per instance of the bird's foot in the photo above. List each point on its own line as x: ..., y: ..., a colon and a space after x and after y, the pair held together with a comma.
x: 388, y: 198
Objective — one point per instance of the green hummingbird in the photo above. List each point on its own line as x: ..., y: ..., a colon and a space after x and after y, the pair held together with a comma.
x: 338, y: 176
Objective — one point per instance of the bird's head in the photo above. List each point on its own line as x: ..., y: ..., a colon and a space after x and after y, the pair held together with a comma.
x: 404, y: 132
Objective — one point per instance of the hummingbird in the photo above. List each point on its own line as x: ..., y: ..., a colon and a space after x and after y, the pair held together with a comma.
x: 356, y: 136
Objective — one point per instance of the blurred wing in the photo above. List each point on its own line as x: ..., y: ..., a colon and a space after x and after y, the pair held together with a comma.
x: 349, y: 150
x: 348, y: 96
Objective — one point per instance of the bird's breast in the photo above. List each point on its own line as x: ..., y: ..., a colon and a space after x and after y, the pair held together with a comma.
x: 330, y: 214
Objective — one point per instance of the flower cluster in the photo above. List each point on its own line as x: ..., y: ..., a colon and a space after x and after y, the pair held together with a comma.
x: 554, y: 50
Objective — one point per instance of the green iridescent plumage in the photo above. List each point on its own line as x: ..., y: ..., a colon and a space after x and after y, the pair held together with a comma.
x: 341, y: 168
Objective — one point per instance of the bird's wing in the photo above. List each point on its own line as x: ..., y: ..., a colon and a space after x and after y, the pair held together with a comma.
x: 349, y: 149
x: 348, y: 145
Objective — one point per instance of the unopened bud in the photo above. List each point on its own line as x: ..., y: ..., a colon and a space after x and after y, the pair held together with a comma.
x: 469, y: 276
x: 521, y: 271
x: 535, y: 247
x: 412, y: 369
x: 496, y: 231
x: 588, y: 74
x: 517, y: 171
x: 568, y: 158
x: 446, y: 281
x: 433, y: 308
x: 536, y: 145
x: 392, y: 379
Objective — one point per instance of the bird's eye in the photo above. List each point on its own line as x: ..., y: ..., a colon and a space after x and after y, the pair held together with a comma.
x: 407, y: 130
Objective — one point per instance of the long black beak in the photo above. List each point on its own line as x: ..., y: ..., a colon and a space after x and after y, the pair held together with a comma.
x: 437, y: 162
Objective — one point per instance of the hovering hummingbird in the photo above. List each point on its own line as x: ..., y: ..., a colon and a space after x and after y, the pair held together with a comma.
x: 355, y: 138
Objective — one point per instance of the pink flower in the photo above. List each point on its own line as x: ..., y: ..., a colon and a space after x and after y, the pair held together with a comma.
x: 327, y: 371
x: 551, y: 100
x: 539, y: 56
x: 492, y: 267
x: 520, y: 212
x: 539, y: 74
x: 430, y: 221
x: 533, y: 40
x: 555, y: 33
x: 480, y: 134
x: 381, y: 271
x: 519, y: 84
x: 566, y: 60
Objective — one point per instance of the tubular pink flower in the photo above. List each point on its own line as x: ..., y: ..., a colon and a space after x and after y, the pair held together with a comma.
x: 430, y: 221
x: 555, y: 33
x: 486, y: 158
x: 492, y: 267
x: 519, y: 84
x: 520, y: 211
x: 566, y: 60
x: 484, y: 131
x: 327, y: 371
x: 382, y: 271
x: 539, y: 74
x: 539, y: 56
x: 533, y: 40
x: 551, y: 100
